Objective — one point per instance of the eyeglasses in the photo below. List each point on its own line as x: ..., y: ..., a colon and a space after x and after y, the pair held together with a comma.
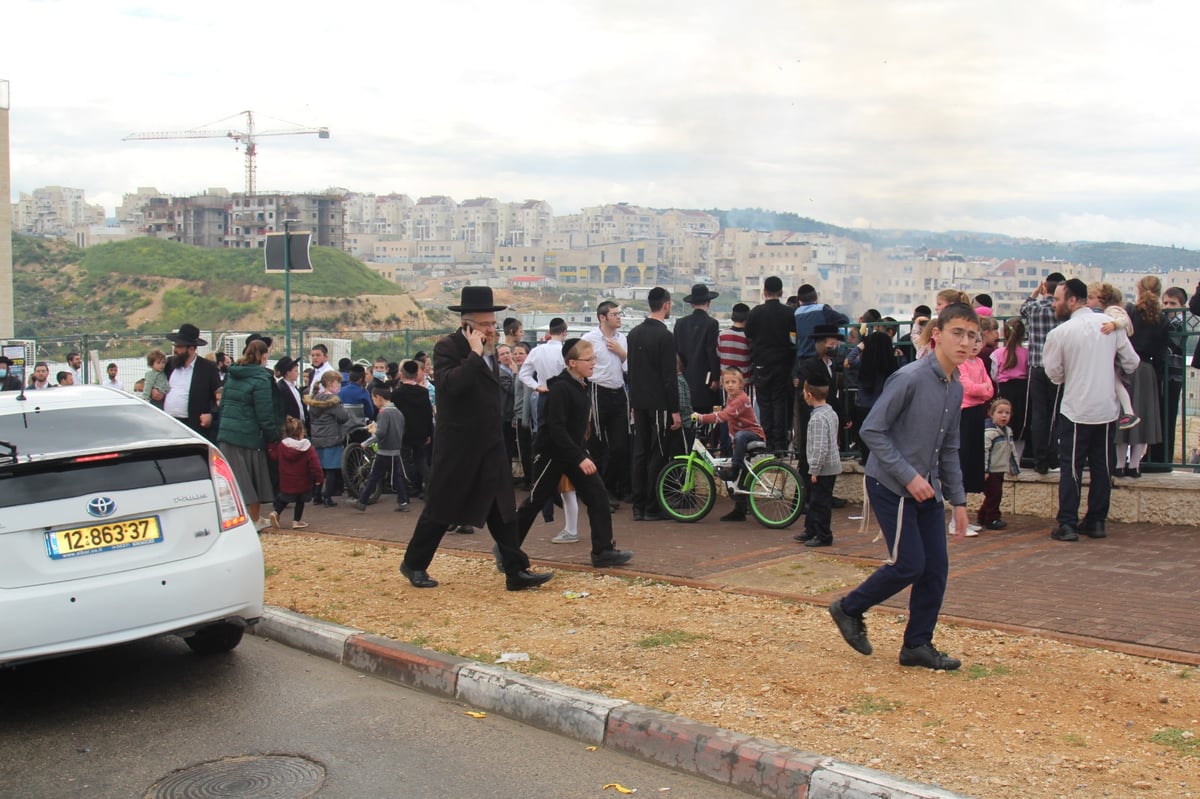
x: 961, y: 333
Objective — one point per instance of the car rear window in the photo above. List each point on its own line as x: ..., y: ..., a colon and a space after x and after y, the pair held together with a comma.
x: 65, y: 430
x: 45, y: 481
x: 46, y: 442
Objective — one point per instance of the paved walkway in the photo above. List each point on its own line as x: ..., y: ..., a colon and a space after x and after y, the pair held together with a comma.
x: 1136, y: 591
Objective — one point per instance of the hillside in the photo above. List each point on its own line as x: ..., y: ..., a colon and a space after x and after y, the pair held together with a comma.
x: 154, y: 285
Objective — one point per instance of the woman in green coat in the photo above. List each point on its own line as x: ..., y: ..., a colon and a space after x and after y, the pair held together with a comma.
x: 249, y: 421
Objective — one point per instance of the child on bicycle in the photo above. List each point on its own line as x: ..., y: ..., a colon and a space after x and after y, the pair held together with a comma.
x: 299, y: 471
x: 389, y: 435
x: 738, y: 413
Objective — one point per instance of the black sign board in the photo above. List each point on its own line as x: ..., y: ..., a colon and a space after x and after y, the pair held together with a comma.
x: 299, y: 242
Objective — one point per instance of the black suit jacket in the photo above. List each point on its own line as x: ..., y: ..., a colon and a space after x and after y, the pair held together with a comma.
x: 652, y: 383
x: 470, y: 469
x: 696, y: 343
x: 202, y: 396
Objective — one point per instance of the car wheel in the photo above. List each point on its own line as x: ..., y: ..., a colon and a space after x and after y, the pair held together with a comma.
x: 216, y: 638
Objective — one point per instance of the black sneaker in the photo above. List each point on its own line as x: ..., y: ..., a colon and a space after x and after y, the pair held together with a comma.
x: 735, y: 515
x: 852, y: 628
x: 925, y: 655
x: 612, y: 557
x: 1064, y: 533
x: 1093, y: 529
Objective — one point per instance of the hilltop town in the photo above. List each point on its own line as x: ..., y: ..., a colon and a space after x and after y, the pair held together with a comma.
x: 609, y: 249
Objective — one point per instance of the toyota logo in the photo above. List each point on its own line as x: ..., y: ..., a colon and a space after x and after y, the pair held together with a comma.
x: 101, y: 507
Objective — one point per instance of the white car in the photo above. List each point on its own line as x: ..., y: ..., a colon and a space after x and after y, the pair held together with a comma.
x: 117, y: 523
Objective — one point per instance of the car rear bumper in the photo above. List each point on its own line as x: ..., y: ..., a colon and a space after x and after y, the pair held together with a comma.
x: 226, y: 582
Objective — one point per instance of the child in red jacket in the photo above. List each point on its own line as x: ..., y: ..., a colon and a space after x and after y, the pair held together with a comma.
x: 299, y: 470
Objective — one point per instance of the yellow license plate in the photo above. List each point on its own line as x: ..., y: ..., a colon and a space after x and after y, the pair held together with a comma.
x: 103, y: 537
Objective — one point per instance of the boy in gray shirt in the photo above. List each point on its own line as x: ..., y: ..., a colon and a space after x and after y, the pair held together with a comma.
x: 824, y: 462
x: 389, y: 434
x: 912, y: 432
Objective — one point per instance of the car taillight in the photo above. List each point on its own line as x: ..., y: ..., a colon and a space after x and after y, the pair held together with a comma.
x: 229, y: 498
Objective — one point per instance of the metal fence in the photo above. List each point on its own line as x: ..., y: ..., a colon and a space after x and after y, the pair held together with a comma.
x: 1179, y: 390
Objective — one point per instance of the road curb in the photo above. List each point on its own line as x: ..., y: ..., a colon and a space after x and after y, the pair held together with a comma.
x: 755, y: 765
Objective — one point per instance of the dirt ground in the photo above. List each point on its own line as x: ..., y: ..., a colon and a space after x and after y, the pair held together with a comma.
x: 1024, y: 717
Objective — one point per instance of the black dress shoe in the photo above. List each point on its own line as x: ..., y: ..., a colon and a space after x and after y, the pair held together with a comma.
x: 612, y: 557
x: 818, y: 542
x: 638, y: 516
x: 519, y: 581
x: 852, y: 628
x: 652, y: 516
x: 925, y: 655
x: 1064, y: 533
x: 1093, y: 529
x: 837, y: 502
x: 464, y: 529
x: 735, y: 515
x: 1131, y: 472
x: 418, y: 577
x: 996, y: 524
x: 801, y: 538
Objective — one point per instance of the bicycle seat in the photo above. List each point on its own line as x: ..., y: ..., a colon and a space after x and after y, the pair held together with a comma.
x: 756, y: 445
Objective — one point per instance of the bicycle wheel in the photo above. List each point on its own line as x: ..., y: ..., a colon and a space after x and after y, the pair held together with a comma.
x: 356, y: 466
x: 685, y: 491
x: 776, y: 494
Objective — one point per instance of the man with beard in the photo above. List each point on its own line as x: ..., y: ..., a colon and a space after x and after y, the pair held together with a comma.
x: 696, y: 343
x: 469, y: 481
x: 194, y: 383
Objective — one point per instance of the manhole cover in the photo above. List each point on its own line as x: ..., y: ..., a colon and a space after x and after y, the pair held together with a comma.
x: 259, y: 776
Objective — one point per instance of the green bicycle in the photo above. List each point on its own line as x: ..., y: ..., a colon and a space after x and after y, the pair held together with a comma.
x: 687, y: 486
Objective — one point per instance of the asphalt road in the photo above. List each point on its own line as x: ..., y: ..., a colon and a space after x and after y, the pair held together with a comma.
x: 121, y: 722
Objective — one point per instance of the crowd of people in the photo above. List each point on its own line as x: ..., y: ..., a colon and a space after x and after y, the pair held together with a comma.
x: 1072, y: 382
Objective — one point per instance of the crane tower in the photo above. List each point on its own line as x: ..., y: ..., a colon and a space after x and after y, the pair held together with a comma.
x: 246, y: 138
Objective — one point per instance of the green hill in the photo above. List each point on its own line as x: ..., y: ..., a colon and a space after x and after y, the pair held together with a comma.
x: 151, y: 284
x: 335, y: 274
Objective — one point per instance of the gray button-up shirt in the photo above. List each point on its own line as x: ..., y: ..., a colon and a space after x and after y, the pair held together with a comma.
x: 913, y: 430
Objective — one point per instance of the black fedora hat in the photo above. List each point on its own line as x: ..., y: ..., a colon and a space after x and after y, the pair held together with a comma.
x: 285, y: 365
x: 266, y: 340
x: 476, y: 299
x: 700, y: 295
x: 827, y: 331
x: 187, y: 335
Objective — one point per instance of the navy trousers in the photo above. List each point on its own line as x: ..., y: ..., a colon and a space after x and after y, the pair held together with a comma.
x: 916, y: 537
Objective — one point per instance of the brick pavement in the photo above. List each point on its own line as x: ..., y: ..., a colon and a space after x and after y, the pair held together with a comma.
x: 1136, y: 591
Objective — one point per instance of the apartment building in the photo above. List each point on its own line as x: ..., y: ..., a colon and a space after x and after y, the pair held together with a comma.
x: 433, y: 218
x: 54, y: 211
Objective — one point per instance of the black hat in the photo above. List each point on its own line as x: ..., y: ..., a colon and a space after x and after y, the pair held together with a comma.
x: 188, y: 336
x: 827, y: 331
x: 266, y: 340
x: 5, y: 359
x: 410, y: 368
x: 285, y: 364
x: 476, y: 299
x: 700, y: 295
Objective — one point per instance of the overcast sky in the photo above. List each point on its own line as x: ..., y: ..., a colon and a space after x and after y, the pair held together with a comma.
x: 1062, y: 119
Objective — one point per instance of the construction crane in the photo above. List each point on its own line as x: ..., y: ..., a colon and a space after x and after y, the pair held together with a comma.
x: 247, y: 139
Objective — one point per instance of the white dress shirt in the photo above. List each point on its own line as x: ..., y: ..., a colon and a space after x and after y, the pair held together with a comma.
x: 544, y: 362
x: 1080, y: 358
x: 176, y: 403
x: 610, y: 369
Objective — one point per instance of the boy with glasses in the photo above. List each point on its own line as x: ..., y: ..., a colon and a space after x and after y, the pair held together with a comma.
x: 913, y: 434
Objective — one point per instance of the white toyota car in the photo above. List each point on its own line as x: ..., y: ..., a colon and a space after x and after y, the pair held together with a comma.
x: 117, y: 523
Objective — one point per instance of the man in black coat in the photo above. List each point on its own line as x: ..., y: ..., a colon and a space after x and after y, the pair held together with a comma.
x: 8, y: 381
x: 696, y: 344
x: 194, y: 383
x: 769, y: 329
x: 654, y: 397
x: 470, y: 481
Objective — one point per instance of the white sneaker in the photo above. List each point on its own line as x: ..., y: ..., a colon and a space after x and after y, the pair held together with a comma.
x: 565, y: 537
x: 971, y: 532
x: 274, y: 517
x: 261, y: 524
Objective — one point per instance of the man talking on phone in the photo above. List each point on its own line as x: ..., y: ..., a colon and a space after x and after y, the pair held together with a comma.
x: 469, y: 481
